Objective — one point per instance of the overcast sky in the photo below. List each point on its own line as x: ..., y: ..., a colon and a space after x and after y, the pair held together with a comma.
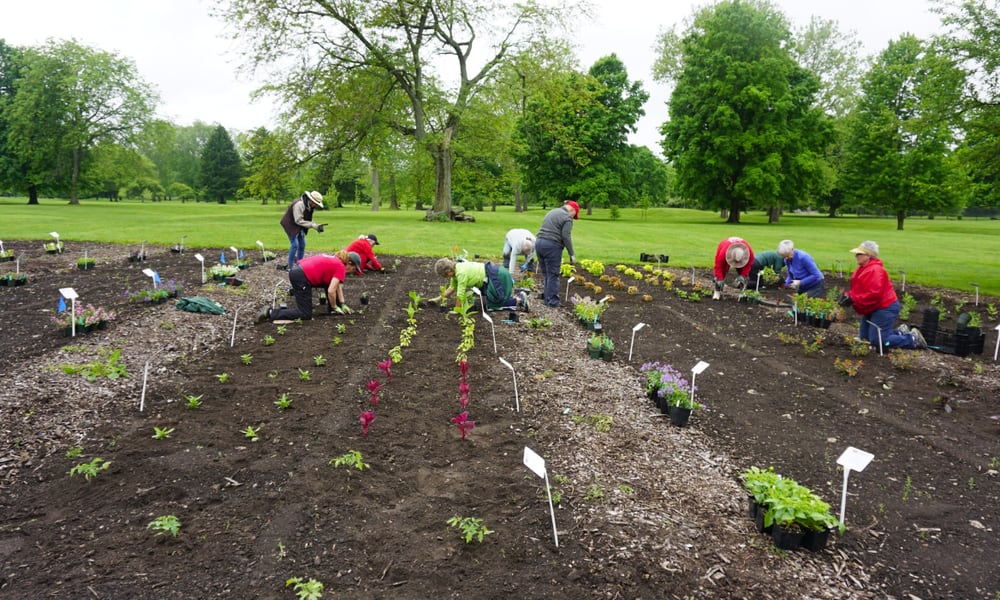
x: 177, y: 46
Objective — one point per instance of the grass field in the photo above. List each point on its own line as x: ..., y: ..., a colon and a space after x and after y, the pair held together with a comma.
x: 942, y: 253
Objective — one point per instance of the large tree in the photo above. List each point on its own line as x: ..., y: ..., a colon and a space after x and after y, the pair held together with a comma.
x: 268, y: 163
x: 221, y: 168
x: 744, y: 129
x: 903, y: 132
x: 69, y: 99
x: 421, y: 49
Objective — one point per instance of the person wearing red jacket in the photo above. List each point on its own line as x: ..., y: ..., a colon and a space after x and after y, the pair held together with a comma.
x: 364, y: 246
x: 736, y: 253
x: 873, y: 297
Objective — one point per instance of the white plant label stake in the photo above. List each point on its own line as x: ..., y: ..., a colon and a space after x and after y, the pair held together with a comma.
x: 232, y: 336
x: 517, y: 401
x: 201, y: 259
x: 151, y: 274
x: 904, y: 279
x: 997, y: 349
x: 568, y: 281
x: 537, y: 465
x: 698, y: 368
x: 142, y: 398
x: 852, y: 460
x: 975, y: 285
x: 261, y: 245
x: 70, y: 294
x: 879, y: 337
x: 632, y: 343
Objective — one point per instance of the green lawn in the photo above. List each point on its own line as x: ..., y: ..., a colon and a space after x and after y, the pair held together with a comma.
x: 943, y: 253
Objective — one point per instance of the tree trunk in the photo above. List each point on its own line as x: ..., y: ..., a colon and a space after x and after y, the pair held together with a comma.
x: 517, y: 198
x: 734, y: 211
x: 393, y: 196
x: 773, y: 214
x: 442, y: 171
x: 32, y: 194
x: 900, y: 216
x: 376, y: 194
x: 74, y: 178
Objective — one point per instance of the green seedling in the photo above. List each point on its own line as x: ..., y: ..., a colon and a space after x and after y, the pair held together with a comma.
x: 74, y: 452
x: 111, y: 367
x: 165, y: 524
x: 246, y: 359
x: 304, y: 375
x: 310, y: 589
x: 972, y: 483
x: 268, y: 340
x: 283, y: 402
x: 91, y: 469
x: 252, y: 433
x: 336, y: 340
x: 162, y: 433
x: 222, y: 377
x: 341, y: 328
x: 595, y: 493
x: 907, y: 488
x: 471, y: 528
x: 272, y: 374
x: 351, y: 458
x: 282, y: 329
x: 193, y: 402
x: 318, y: 360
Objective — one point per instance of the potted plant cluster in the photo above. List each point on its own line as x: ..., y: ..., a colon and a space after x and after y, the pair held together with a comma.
x: 587, y: 310
x: 156, y: 295
x: 13, y: 279
x: 86, y: 263
x: 790, y: 512
x: 818, y: 312
x: 137, y: 256
x: 223, y: 272
x: 6, y: 255
x: 88, y: 318
x: 670, y: 391
x: 599, y: 345
x: 53, y: 247
x: 749, y: 296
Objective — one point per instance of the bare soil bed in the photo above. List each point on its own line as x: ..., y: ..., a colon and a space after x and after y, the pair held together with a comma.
x: 647, y: 510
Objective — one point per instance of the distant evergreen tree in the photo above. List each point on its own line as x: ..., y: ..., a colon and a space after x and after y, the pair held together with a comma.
x: 221, y: 169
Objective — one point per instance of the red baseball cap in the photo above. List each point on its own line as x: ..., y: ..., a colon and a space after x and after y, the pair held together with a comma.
x: 576, y: 208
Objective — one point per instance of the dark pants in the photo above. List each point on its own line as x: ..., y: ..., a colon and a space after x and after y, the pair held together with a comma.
x: 878, y: 325
x: 302, y: 290
x: 549, y: 255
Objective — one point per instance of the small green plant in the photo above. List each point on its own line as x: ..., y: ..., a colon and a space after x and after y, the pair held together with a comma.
x: 272, y: 374
x: 813, y: 346
x: 538, y: 323
x: 193, y: 402
x: 162, y: 433
x: 858, y: 346
x: 938, y: 303
x: 246, y: 359
x: 283, y: 402
x: 907, y: 488
x: 595, y: 493
x: 304, y: 375
x: 268, y: 340
x: 972, y: 483
x: 74, y: 452
x: 994, y: 462
x: 906, y: 305
x: 306, y: 589
x: 109, y: 366
x: 318, y: 360
x: 165, y: 524
x: 992, y: 312
x: 336, y: 341
x: 901, y: 359
x: 471, y: 528
x: 847, y: 366
x: 252, y: 433
x: 788, y: 339
x: 975, y: 319
x: 351, y: 458
x: 282, y: 329
x: 91, y: 469
x: 626, y: 489
x: 341, y: 328
x: 601, y: 422
x: 222, y: 377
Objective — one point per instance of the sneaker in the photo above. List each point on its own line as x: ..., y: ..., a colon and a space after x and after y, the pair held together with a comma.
x: 525, y: 303
x: 716, y: 295
x: 904, y: 329
x: 265, y: 315
x: 281, y: 267
x: 918, y: 339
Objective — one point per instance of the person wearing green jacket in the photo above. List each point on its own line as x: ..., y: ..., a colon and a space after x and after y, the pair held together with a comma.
x: 495, y: 284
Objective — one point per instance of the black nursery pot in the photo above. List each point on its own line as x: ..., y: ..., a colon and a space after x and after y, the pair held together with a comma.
x: 787, y: 539
x: 815, y: 541
x: 679, y: 416
x: 364, y: 298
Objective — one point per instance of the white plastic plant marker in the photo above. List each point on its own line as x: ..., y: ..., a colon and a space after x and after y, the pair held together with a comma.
x: 795, y: 311
x: 151, y: 274
x: 142, y: 398
x: 482, y: 303
x: 55, y: 235
x: 603, y: 300
x: 975, y: 285
x: 852, y: 459
x: 232, y: 336
x: 537, y: 465
x: 568, y: 281
x: 71, y: 295
x: 903, y: 273
x: 758, y: 281
x: 698, y: 368
x: 201, y: 259
x: 997, y: 349
x: 840, y: 267
x: 1, y: 246
x: 260, y: 245
x: 517, y: 401
x: 637, y: 327
x: 880, y: 353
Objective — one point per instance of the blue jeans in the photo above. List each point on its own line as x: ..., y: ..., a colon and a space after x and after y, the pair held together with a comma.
x: 881, y: 322
x: 549, y: 256
x: 296, y: 248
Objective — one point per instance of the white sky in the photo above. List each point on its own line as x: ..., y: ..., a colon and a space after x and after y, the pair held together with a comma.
x: 178, y: 47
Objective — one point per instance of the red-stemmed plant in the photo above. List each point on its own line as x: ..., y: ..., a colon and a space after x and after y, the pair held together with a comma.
x: 375, y: 387
x: 463, y: 423
x: 367, y: 416
x: 386, y: 367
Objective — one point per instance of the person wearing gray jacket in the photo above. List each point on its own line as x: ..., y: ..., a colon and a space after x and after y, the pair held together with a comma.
x: 555, y: 234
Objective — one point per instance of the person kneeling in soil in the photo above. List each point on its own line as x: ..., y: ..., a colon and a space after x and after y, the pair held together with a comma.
x: 873, y: 297
x: 364, y: 247
x: 736, y: 253
x: 320, y: 271
x: 495, y: 282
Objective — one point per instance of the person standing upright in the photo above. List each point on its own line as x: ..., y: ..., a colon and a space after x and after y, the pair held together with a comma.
x: 297, y: 221
x: 555, y: 234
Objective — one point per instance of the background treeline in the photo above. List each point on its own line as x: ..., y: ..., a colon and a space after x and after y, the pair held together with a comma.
x: 436, y: 103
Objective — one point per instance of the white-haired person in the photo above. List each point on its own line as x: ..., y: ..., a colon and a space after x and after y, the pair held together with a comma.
x: 736, y: 253
x: 297, y: 221
x: 874, y: 299
x: 519, y: 242
x: 803, y: 275
x: 495, y: 284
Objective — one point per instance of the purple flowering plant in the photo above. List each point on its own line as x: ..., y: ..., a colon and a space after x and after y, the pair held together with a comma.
x: 87, y: 315
x: 669, y: 384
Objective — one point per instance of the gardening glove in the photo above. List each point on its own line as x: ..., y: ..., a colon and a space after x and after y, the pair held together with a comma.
x: 844, y: 300
x: 719, y: 284
x: 741, y: 282
x: 320, y: 227
x: 346, y: 310
x: 796, y: 283
x: 572, y: 259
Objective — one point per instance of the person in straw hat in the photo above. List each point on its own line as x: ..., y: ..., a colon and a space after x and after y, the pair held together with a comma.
x: 297, y: 221
x: 732, y: 252
x: 873, y: 297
